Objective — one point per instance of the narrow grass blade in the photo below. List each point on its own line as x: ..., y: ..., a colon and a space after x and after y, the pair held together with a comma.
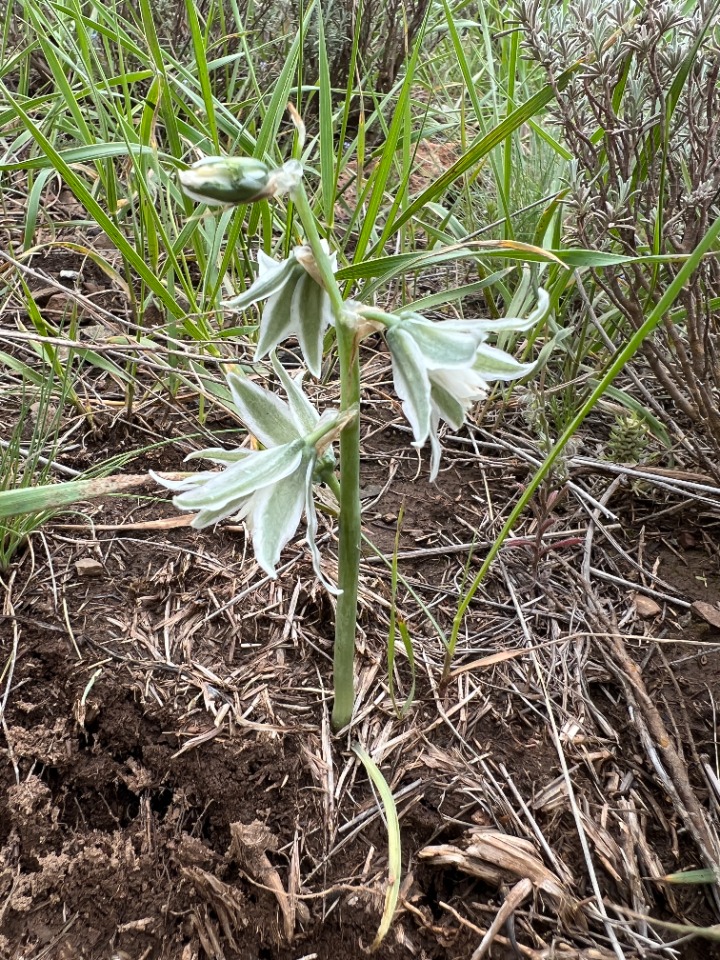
x: 327, y: 148
x: 55, y: 495
x: 622, y: 358
x: 394, y: 848
x: 692, y: 876
x: 199, y: 43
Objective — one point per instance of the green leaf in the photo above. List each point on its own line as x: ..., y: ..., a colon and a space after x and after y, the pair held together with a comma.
x: 326, y: 123
x: 394, y: 849
x: 481, y: 148
x: 55, y: 495
x: 86, y: 154
x: 692, y: 876
x: 201, y: 64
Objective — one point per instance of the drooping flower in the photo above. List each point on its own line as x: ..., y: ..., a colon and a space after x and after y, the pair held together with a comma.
x: 297, y: 304
x: 440, y: 368
x: 271, y: 488
x: 225, y: 181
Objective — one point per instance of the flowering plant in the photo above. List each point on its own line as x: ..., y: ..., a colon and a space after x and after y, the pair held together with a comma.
x: 440, y: 368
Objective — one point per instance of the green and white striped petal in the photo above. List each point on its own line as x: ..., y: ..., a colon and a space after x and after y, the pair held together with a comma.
x: 187, y: 483
x: 447, y: 405
x: 264, y: 468
x: 494, y: 364
x: 220, y: 454
x: 208, y: 518
x: 266, y: 415
x: 435, y: 447
x: 483, y: 328
x: 309, y: 320
x: 276, y: 323
x: 302, y: 411
x: 311, y: 522
x: 411, y: 381
x: 441, y: 347
x: 271, y: 277
x: 274, y: 516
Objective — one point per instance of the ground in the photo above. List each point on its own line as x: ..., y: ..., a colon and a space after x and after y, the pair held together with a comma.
x: 170, y: 787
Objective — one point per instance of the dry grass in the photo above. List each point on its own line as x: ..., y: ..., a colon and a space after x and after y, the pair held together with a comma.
x: 555, y: 772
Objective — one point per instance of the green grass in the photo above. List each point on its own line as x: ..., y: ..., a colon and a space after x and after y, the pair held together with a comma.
x: 122, y: 104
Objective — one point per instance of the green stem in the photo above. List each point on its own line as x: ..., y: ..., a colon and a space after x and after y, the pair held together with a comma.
x: 349, y: 494
x: 381, y: 316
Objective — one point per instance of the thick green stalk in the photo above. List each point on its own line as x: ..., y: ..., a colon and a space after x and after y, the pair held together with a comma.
x: 349, y: 523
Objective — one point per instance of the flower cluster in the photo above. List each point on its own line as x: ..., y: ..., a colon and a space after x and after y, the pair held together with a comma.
x: 440, y: 368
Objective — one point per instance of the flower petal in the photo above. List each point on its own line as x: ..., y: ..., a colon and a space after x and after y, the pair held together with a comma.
x: 441, y: 347
x: 411, y: 381
x: 276, y: 322
x: 494, y: 364
x: 311, y: 521
x: 263, y: 468
x: 302, y: 411
x: 186, y: 483
x: 208, y: 518
x: 266, y: 415
x: 434, y: 447
x: 447, y: 406
x: 220, y: 454
x: 271, y: 278
x: 509, y: 323
x: 307, y: 320
x: 275, y: 515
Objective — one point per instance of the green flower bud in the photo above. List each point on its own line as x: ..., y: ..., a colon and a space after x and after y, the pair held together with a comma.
x: 221, y: 181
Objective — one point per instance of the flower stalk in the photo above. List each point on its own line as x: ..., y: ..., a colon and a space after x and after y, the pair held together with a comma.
x: 349, y: 532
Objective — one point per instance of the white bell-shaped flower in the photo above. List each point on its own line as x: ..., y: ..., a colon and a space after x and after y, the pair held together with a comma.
x: 440, y: 368
x: 297, y: 304
x: 269, y: 489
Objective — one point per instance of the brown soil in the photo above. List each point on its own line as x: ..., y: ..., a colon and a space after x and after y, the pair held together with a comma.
x: 151, y: 732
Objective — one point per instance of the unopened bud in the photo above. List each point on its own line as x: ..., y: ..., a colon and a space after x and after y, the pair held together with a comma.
x: 221, y: 181
x: 224, y: 181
